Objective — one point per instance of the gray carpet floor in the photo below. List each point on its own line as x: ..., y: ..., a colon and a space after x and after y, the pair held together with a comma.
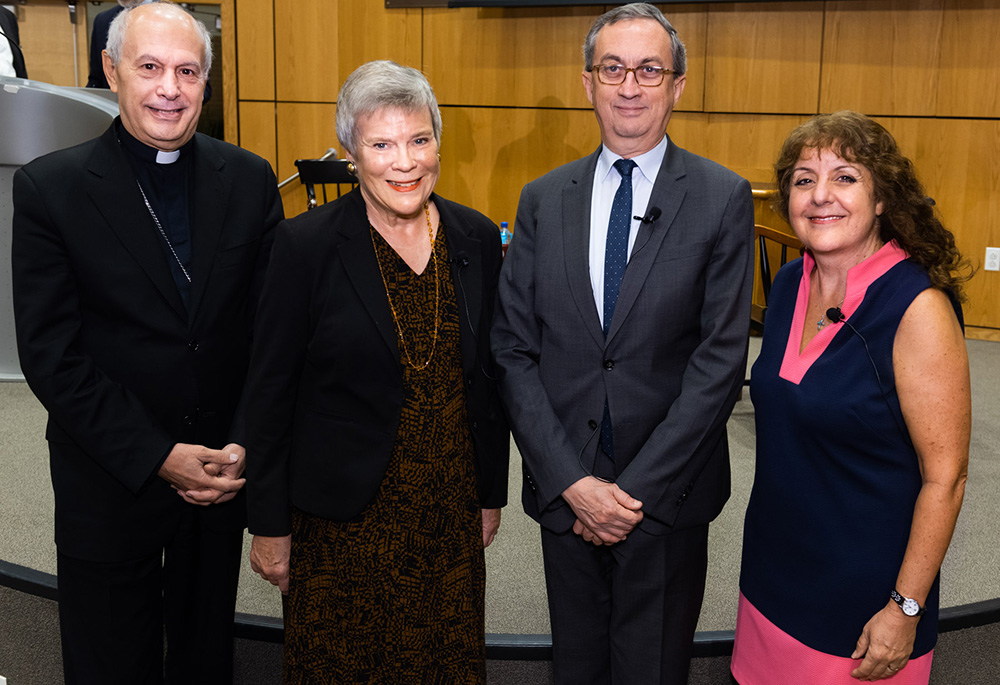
x: 515, y: 585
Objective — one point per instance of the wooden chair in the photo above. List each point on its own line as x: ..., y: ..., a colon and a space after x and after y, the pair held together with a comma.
x: 320, y: 172
x: 765, y: 251
x: 764, y: 234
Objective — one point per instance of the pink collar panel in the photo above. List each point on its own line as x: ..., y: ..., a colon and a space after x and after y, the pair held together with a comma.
x: 794, y: 365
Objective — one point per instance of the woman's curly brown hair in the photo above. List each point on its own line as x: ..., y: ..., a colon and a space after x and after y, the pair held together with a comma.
x: 908, y: 216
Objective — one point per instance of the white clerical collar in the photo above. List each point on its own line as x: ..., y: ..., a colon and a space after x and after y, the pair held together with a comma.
x: 167, y: 157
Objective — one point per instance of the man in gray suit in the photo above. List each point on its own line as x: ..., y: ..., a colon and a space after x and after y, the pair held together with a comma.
x: 621, y: 338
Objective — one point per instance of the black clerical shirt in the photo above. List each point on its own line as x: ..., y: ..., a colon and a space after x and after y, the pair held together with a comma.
x: 167, y: 187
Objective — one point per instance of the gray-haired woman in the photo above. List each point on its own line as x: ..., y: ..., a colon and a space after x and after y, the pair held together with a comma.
x: 377, y: 451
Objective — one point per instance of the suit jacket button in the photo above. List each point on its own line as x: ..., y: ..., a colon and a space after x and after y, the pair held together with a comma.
x: 682, y: 498
x: 592, y: 425
x: 188, y: 420
x: 193, y: 345
x: 609, y: 364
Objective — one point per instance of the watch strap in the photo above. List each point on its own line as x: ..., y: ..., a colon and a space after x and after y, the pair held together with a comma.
x: 903, y: 601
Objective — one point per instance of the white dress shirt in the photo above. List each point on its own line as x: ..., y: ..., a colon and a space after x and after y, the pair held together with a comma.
x: 606, y: 182
x: 6, y: 58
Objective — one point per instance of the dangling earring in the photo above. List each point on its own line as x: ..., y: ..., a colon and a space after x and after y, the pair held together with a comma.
x: 352, y: 169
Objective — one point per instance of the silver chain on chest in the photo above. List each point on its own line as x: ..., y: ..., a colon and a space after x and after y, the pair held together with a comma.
x: 163, y: 233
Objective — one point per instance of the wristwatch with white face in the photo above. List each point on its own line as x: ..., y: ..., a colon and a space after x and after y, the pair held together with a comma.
x: 909, y: 606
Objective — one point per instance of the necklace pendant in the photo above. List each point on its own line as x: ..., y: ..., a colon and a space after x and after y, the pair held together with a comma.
x: 820, y: 324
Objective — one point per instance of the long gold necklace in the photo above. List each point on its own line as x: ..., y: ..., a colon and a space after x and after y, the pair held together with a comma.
x: 437, y: 297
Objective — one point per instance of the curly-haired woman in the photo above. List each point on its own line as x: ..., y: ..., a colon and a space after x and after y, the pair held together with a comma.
x: 862, y: 403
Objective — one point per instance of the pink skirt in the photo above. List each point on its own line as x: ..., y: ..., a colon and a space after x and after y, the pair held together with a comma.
x: 764, y: 654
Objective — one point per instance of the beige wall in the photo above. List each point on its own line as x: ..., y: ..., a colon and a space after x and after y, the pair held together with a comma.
x: 47, y: 38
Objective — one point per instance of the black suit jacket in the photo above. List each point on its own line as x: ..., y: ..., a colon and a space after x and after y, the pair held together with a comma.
x: 106, y: 344
x: 326, y: 383
x: 8, y: 24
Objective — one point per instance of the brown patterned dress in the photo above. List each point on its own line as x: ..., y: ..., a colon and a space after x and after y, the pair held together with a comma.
x: 396, y: 594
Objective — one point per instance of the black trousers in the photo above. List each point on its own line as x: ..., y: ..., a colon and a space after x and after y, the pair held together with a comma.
x: 113, y: 615
x: 624, y: 614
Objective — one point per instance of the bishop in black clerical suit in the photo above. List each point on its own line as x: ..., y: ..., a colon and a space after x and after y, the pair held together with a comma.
x: 137, y: 259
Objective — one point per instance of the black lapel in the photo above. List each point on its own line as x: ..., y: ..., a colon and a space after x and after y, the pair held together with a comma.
x: 113, y: 188
x: 465, y: 258
x: 210, y: 189
x: 358, y: 257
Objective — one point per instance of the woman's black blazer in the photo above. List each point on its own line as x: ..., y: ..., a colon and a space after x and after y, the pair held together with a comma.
x: 325, y: 389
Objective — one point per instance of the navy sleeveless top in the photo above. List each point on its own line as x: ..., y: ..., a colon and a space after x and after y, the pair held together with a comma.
x: 836, y: 476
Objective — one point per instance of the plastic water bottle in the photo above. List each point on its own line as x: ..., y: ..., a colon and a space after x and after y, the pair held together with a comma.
x: 505, y: 236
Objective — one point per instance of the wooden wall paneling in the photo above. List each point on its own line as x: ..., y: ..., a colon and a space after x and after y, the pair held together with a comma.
x: 881, y: 57
x: 764, y: 57
x: 974, y: 333
x: 513, y: 106
x: 306, y: 54
x: 746, y: 143
x: 230, y: 103
x: 969, y: 83
x: 969, y: 200
x: 765, y: 214
x: 689, y: 130
x: 319, y: 43
x: 530, y: 54
x: 691, y: 22
x: 958, y: 161
x: 82, y: 46
x: 293, y: 198
x: 255, y: 49
x: 507, y: 57
x: 304, y: 131
x: 932, y: 158
x: 258, y: 131
x: 47, y: 40
x: 366, y: 31
x: 489, y: 154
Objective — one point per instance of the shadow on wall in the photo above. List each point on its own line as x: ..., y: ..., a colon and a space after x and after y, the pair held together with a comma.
x: 520, y: 161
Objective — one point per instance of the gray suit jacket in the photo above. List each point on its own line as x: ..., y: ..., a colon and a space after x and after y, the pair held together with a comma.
x: 674, y: 358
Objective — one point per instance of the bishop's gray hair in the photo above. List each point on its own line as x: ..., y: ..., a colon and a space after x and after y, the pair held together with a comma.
x: 119, y: 27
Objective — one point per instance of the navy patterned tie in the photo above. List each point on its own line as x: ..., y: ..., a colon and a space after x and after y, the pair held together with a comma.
x: 616, y: 248
x: 615, y: 259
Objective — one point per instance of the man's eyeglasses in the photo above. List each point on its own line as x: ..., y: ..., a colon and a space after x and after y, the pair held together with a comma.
x: 647, y: 75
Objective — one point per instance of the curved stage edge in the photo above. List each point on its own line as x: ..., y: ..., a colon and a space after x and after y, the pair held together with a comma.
x: 500, y: 646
